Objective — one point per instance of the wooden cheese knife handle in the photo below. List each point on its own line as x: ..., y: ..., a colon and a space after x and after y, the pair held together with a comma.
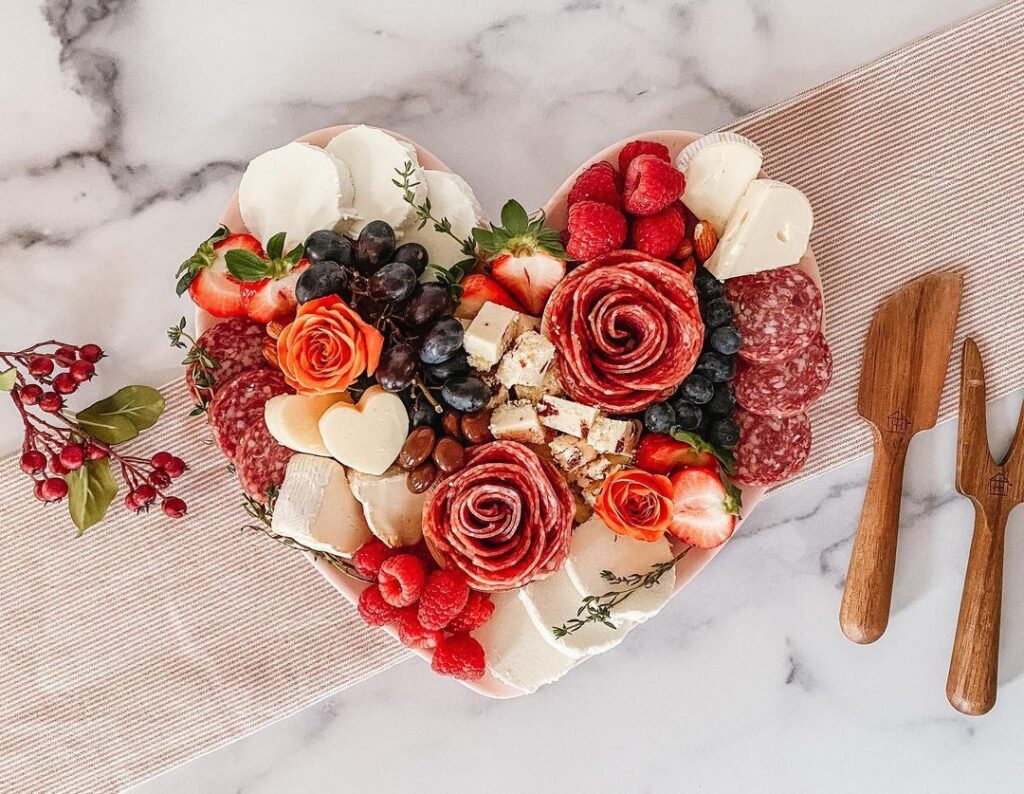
x: 865, y: 609
x: 973, y: 669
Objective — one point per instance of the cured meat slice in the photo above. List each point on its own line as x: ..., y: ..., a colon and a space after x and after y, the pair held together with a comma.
x: 241, y: 400
x: 626, y: 328
x: 503, y: 520
x: 236, y: 345
x: 777, y: 312
x: 771, y: 449
x: 262, y: 462
x: 788, y: 388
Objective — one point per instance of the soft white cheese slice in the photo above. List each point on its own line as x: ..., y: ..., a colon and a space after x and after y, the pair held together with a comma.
x: 450, y: 197
x: 297, y: 189
x: 770, y: 228
x: 552, y: 602
x: 718, y: 169
x: 595, y: 548
x: 372, y: 157
x: 516, y: 652
x: 316, y: 507
x: 393, y: 512
x: 294, y: 420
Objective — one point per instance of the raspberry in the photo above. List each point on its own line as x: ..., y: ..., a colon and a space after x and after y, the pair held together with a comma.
x: 634, y: 148
x: 374, y: 609
x: 401, y: 579
x: 594, y: 229
x: 444, y: 596
x: 597, y: 183
x: 478, y: 610
x: 459, y: 656
x: 651, y: 185
x: 370, y: 555
x: 413, y: 634
x: 659, y: 235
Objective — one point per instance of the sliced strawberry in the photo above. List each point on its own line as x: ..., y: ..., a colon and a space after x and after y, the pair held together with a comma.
x: 704, y: 509
x: 206, y: 275
x: 662, y: 454
x: 273, y: 299
x: 530, y: 279
x: 478, y: 289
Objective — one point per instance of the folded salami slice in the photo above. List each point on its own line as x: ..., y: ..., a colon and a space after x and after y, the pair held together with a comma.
x: 627, y: 330
x: 239, y: 402
x: 777, y: 312
x: 236, y: 345
x: 771, y: 449
x: 788, y: 388
x: 262, y: 462
x: 503, y: 520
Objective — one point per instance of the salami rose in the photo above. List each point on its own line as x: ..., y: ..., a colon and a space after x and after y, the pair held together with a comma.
x: 503, y: 520
x: 627, y: 330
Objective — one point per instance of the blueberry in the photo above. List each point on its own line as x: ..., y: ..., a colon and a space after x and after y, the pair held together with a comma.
x: 715, y: 367
x: 724, y: 433
x: 414, y: 255
x: 455, y: 366
x: 320, y: 280
x: 375, y: 245
x: 441, y: 341
x: 697, y: 389
x: 717, y: 312
x: 329, y: 246
x: 659, y: 418
x: 708, y: 287
x: 688, y: 415
x: 723, y: 402
x: 466, y: 393
x: 725, y: 340
x: 393, y: 283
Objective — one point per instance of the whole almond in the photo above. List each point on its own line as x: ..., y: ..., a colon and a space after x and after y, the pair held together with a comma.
x: 704, y: 241
x: 274, y: 328
x: 270, y: 351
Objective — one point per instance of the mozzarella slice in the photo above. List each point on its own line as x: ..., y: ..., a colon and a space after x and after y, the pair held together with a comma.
x: 374, y: 159
x: 718, y: 169
x: 450, y: 197
x: 393, y: 512
x: 516, y: 653
x: 294, y: 420
x: 296, y: 189
x: 554, y: 600
x: 367, y: 436
x: 770, y: 228
x: 595, y: 548
x: 316, y: 507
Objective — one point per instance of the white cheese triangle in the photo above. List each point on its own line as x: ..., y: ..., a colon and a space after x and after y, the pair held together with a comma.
x: 718, y: 169
x: 393, y: 512
x: 450, y: 197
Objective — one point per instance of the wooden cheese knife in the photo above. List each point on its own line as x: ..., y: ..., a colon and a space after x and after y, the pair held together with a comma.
x: 995, y: 489
x: 905, y: 360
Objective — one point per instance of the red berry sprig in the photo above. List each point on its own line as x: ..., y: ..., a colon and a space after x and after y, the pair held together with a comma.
x: 55, y: 445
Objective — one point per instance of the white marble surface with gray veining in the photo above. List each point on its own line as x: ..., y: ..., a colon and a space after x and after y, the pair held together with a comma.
x: 126, y: 126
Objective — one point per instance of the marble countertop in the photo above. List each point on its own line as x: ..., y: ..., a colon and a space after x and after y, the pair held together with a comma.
x: 126, y: 128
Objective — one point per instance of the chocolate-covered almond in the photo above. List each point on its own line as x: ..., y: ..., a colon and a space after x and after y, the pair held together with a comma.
x: 422, y: 477
x: 476, y: 427
x: 417, y: 447
x: 450, y: 422
x: 449, y: 455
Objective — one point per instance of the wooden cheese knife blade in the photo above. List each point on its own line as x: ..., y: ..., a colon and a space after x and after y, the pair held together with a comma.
x: 906, y: 356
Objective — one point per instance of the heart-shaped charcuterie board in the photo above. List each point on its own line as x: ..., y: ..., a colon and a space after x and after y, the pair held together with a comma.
x: 556, y: 211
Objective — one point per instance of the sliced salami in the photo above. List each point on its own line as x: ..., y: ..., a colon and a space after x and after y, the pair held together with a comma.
x: 239, y: 402
x: 261, y: 461
x: 771, y: 449
x: 236, y: 345
x: 777, y: 312
x: 788, y: 388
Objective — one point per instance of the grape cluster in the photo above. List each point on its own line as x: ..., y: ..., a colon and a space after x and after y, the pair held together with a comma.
x: 705, y: 400
x: 423, y: 341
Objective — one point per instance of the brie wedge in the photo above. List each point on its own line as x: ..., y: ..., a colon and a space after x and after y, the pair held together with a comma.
x: 393, y: 512
x: 450, y: 197
x: 718, y: 169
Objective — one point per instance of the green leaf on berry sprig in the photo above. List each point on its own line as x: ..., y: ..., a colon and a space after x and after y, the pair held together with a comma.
x: 91, y: 489
x: 699, y: 444
x: 247, y: 266
x: 122, y: 415
x: 8, y: 378
x: 202, y: 258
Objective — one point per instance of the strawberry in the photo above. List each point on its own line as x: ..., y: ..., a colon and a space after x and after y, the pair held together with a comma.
x: 705, y: 509
x: 478, y: 289
x: 527, y: 258
x: 274, y: 298
x: 205, y: 274
x: 662, y: 454
x: 651, y: 185
x: 268, y: 291
x: 594, y: 229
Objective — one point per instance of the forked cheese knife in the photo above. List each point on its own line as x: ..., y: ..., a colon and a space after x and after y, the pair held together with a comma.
x: 905, y: 360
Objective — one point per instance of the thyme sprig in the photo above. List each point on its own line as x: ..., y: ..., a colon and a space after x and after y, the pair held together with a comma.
x: 202, y: 375
x: 598, y: 608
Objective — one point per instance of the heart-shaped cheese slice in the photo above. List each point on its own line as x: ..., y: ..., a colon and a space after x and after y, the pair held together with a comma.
x: 294, y: 420
x: 369, y: 435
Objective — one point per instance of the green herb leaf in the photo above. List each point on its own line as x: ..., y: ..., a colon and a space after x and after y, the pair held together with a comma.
x: 275, y: 245
x: 8, y: 378
x: 91, y: 489
x: 514, y: 217
x: 123, y: 415
x: 246, y: 266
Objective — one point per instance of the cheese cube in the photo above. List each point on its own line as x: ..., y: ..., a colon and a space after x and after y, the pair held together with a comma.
x: 527, y: 323
x: 770, y: 228
x: 517, y: 421
x: 316, y: 507
x: 614, y: 436
x: 527, y: 361
x: 567, y: 416
x: 718, y: 169
x: 570, y: 453
x: 489, y: 335
x: 393, y: 512
x: 551, y: 384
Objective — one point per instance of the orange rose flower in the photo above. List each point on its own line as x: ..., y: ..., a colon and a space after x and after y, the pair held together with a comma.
x: 327, y: 346
x: 636, y: 503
